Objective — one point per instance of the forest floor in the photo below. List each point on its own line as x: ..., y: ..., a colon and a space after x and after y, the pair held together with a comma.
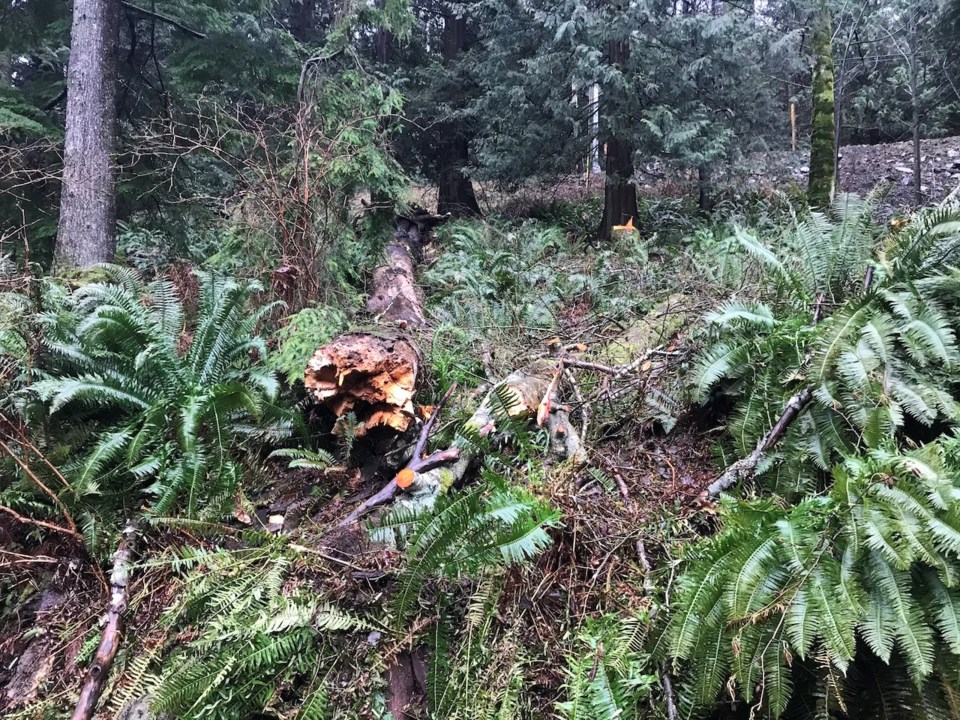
x: 649, y: 460
x: 639, y: 495
x: 862, y: 168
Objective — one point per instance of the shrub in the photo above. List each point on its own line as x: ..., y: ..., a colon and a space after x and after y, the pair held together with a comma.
x: 304, y: 332
x: 174, y: 401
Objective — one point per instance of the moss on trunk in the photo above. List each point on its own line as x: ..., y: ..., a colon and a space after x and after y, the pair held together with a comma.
x: 823, y: 139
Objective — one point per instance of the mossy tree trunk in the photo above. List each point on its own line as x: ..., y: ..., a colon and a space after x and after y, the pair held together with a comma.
x: 823, y: 140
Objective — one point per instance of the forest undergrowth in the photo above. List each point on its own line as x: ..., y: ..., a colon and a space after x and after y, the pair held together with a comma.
x: 614, y: 585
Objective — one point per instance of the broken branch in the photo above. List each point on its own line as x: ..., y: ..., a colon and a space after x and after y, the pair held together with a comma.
x: 52, y: 495
x: 417, y: 463
x: 747, y: 466
x: 40, y: 523
x: 110, y: 640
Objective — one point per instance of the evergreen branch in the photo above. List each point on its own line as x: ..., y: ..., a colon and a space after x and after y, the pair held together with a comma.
x: 164, y: 19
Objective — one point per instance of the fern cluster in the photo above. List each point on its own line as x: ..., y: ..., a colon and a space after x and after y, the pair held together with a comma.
x: 475, y: 665
x: 607, y: 676
x: 252, y: 632
x: 876, y: 359
x: 173, y: 399
x: 867, y: 572
x: 491, y: 524
x: 847, y: 573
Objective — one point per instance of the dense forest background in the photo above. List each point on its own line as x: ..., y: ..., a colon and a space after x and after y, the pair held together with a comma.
x: 488, y: 93
x: 497, y: 359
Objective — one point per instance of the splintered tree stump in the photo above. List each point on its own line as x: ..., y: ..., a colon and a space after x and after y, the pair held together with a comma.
x: 374, y: 374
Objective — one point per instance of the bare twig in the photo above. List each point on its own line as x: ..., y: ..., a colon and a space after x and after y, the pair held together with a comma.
x: 52, y: 495
x: 41, y: 523
x: 616, y: 370
x: 818, y: 307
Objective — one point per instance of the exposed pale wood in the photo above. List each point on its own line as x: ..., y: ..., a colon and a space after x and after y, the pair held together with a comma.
x: 374, y: 374
x: 371, y: 375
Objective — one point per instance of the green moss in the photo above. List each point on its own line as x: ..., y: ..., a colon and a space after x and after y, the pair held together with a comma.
x: 663, y: 321
x: 823, y: 139
x: 74, y: 278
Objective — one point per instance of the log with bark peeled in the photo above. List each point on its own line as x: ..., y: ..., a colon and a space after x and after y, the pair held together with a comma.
x: 374, y: 374
x: 110, y: 640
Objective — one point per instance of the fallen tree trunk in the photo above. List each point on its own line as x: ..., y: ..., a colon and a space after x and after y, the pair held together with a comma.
x: 374, y: 373
x: 110, y: 640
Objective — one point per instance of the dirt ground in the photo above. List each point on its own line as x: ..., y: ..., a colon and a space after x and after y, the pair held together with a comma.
x: 863, y: 167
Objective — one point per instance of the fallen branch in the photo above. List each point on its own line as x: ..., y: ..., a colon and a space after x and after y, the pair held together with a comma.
x: 745, y: 468
x: 528, y: 390
x: 417, y: 463
x: 52, y: 495
x: 40, y: 523
x: 616, y: 370
x: 110, y: 640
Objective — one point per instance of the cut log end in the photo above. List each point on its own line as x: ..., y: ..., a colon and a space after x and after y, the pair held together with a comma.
x: 372, y: 376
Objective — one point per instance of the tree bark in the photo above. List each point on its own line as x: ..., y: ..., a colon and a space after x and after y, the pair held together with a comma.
x: 704, y: 182
x: 86, y: 234
x: 822, y: 186
x: 620, y: 192
x: 455, y: 193
x: 303, y: 26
